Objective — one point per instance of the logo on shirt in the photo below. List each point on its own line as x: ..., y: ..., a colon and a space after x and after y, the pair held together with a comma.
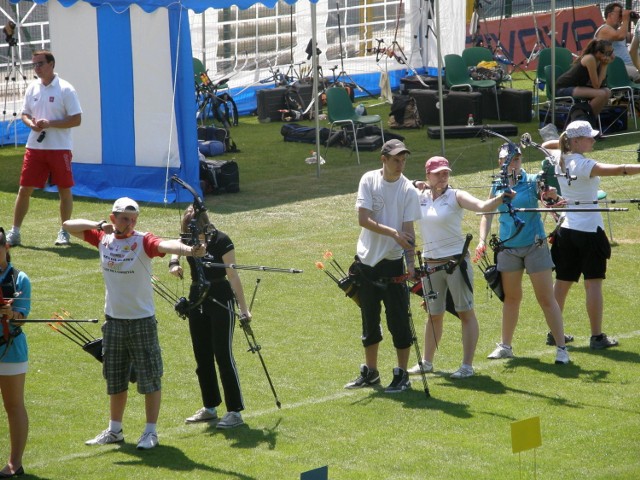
x: 52, y: 99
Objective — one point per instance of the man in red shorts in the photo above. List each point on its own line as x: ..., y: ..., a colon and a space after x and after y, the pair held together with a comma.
x: 51, y: 109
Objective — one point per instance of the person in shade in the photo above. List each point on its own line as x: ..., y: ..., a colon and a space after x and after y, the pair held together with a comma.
x: 387, y: 205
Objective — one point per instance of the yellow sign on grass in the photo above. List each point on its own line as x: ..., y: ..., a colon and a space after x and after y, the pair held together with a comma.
x: 525, y: 434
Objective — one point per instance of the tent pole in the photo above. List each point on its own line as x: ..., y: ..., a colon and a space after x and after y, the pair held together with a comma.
x: 316, y: 80
x: 439, y: 54
x: 204, y: 43
x: 553, y: 62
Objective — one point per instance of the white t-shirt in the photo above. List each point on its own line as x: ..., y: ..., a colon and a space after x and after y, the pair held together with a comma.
x: 391, y: 204
x: 126, y: 268
x: 583, y: 189
x: 52, y: 102
x: 441, y: 224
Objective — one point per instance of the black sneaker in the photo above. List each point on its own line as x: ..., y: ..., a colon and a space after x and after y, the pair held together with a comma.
x: 552, y: 341
x: 367, y: 378
x: 600, y: 342
x: 400, y: 381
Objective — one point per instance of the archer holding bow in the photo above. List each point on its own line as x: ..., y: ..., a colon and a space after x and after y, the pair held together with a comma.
x: 581, y: 246
x: 130, y: 335
x: 525, y: 247
x: 15, y: 304
x: 211, y: 324
x: 441, y: 228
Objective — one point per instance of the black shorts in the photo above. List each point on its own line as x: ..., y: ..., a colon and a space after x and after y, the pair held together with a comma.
x: 374, y: 290
x: 578, y: 253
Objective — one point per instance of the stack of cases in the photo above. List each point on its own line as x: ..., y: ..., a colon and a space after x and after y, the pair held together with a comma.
x: 457, y: 107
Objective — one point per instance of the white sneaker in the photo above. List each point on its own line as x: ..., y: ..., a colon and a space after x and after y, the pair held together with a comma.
x: 147, y: 441
x: 426, y: 366
x: 63, y: 238
x: 230, y: 420
x: 501, y: 351
x: 105, y: 437
x: 465, y: 371
x: 562, y: 356
x: 202, y: 415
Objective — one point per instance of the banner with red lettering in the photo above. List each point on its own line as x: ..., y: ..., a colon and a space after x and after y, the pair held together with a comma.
x: 515, y: 38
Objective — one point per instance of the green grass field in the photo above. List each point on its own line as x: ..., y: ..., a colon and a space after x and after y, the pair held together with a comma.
x: 287, y: 216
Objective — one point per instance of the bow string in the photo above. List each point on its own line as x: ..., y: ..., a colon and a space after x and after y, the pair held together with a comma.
x: 184, y: 306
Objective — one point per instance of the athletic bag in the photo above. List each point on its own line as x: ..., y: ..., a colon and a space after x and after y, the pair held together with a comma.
x: 404, y: 113
x: 293, y: 132
x: 219, y: 176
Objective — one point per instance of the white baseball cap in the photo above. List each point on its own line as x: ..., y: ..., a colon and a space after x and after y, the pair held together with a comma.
x: 125, y: 204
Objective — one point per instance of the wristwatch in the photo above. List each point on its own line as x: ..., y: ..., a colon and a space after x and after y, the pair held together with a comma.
x: 100, y: 225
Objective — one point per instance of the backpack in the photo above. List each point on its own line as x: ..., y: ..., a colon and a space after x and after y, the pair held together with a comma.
x: 404, y: 113
x: 582, y: 111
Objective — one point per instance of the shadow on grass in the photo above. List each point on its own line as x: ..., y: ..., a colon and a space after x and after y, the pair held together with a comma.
x: 75, y: 250
x: 416, y: 398
x: 170, y: 458
x: 246, y: 437
x: 562, y: 371
x: 611, y: 354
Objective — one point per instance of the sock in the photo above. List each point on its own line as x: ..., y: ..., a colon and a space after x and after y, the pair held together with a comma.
x: 150, y: 428
x: 115, y: 426
x: 597, y: 337
x: 504, y: 345
x: 562, y: 348
x: 211, y: 410
x: 15, y: 229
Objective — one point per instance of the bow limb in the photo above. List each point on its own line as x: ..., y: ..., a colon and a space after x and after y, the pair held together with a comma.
x: 183, y: 307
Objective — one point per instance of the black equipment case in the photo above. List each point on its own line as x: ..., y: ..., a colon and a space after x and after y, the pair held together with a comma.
x: 270, y: 102
x: 515, y: 105
x: 462, y: 131
x: 457, y: 107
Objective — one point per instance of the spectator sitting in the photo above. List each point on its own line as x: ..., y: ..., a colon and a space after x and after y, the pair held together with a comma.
x: 586, y: 76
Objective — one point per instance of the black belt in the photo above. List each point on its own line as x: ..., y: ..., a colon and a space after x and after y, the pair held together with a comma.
x: 13, y: 334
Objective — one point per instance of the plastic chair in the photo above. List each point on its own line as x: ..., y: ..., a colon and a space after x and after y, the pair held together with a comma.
x: 456, y: 76
x: 618, y: 80
x: 564, y: 59
x: 547, y: 75
x: 472, y: 56
x: 341, y: 112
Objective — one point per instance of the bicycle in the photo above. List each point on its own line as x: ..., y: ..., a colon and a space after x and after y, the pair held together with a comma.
x: 212, y: 102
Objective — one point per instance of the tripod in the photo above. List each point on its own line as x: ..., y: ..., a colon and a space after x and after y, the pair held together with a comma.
x: 499, y: 53
x: 13, y: 68
x: 539, y: 45
x: 343, y: 73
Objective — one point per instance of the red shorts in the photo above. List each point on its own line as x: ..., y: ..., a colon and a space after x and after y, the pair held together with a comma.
x: 42, y: 165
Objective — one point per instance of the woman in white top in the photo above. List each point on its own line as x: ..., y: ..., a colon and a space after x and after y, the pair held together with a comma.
x: 441, y: 228
x: 581, y: 246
